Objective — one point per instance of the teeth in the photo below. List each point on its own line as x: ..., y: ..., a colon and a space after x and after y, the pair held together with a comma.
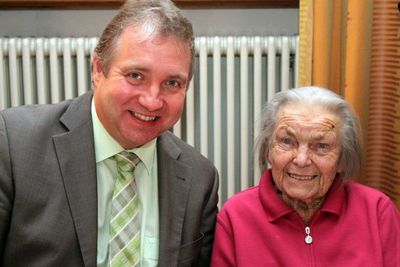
x: 301, y: 177
x: 143, y: 117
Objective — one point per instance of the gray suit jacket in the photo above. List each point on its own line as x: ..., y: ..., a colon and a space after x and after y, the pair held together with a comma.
x: 48, y: 191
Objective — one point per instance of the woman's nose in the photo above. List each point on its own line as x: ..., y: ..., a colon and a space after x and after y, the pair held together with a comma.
x: 301, y: 157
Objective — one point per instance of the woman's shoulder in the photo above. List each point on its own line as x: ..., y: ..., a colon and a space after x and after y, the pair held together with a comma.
x: 368, y: 195
x: 242, y: 199
x: 362, y: 189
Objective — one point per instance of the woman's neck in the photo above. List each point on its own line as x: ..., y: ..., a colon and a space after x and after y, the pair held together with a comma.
x: 305, y: 210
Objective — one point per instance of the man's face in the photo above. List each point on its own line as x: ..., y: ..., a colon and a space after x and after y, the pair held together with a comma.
x: 143, y: 93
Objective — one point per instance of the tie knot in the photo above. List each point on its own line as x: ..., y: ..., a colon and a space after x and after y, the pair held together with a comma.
x: 126, y: 161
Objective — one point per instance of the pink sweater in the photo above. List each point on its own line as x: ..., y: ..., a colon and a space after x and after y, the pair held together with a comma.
x: 356, y: 226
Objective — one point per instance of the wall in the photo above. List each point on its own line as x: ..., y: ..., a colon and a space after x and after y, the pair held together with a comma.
x: 64, y: 23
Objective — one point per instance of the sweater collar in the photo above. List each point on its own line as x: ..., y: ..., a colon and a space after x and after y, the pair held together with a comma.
x: 276, y: 208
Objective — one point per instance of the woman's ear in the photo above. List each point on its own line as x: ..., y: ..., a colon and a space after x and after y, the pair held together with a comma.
x: 97, y: 71
x: 268, y: 156
x: 340, y: 167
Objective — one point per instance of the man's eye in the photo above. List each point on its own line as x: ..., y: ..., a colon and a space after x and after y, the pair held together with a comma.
x: 136, y: 76
x: 173, y: 83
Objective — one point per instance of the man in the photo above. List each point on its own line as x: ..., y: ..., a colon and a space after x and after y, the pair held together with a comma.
x: 59, y: 166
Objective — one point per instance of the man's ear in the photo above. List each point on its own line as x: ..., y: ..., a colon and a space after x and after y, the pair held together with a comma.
x: 97, y: 71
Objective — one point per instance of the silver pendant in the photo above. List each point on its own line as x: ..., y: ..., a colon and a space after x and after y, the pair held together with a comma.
x: 308, y: 238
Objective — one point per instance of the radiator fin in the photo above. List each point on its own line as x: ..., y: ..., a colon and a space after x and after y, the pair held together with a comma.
x: 234, y: 77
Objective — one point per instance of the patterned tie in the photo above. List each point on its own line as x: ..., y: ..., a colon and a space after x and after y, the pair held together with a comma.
x: 124, y: 246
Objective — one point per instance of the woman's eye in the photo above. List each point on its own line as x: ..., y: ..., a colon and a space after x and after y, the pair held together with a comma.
x: 287, y: 141
x: 321, y: 147
x: 136, y: 76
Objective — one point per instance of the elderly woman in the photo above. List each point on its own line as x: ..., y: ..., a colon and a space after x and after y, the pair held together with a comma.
x: 306, y: 211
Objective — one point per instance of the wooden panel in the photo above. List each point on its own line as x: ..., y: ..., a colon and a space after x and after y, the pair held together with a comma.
x: 383, y: 143
x: 76, y: 4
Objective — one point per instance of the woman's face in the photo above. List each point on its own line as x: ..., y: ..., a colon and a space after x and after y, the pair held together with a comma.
x: 305, y: 151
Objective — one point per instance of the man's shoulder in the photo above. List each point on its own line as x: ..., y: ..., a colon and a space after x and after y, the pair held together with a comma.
x: 33, y: 110
x: 29, y: 115
x: 181, y: 144
x: 168, y: 135
x: 187, y: 152
x: 37, y: 115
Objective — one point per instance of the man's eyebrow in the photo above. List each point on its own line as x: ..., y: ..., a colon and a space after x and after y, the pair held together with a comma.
x: 140, y: 68
x: 177, y: 77
x: 135, y: 67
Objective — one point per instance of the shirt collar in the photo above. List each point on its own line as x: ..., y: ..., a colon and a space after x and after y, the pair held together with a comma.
x: 106, y: 146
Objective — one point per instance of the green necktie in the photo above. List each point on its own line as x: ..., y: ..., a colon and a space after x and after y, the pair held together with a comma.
x: 124, y: 245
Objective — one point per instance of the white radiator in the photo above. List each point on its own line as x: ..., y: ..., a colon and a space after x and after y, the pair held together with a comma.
x: 234, y: 77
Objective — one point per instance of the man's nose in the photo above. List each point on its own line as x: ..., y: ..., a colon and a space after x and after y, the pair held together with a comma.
x: 150, y: 99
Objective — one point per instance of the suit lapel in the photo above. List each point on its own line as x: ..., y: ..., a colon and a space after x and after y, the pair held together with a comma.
x: 174, y: 184
x: 75, y: 153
